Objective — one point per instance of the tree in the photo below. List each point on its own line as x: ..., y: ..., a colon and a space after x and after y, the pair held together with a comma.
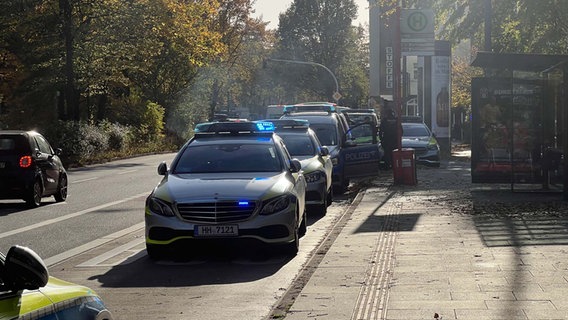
x: 319, y: 31
x: 517, y: 26
x: 231, y: 80
x: 462, y: 73
x: 97, y: 52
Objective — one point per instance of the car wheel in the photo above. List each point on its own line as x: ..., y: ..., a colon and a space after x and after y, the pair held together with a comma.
x: 61, y: 194
x: 156, y: 253
x: 321, y: 209
x: 291, y: 249
x: 34, y: 197
x: 304, y: 225
x: 339, y: 190
x: 329, y: 197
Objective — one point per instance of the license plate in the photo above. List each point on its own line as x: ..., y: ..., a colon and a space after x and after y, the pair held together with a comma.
x: 216, y: 231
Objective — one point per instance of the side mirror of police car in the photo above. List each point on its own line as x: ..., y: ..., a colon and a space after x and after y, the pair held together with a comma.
x: 350, y: 143
x: 162, y: 168
x: 295, y: 165
x: 25, y: 269
x: 324, y: 151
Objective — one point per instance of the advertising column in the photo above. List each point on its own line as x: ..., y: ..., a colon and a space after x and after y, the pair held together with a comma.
x: 440, y: 95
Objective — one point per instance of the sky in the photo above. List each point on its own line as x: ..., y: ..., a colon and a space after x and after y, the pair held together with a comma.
x: 270, y: 9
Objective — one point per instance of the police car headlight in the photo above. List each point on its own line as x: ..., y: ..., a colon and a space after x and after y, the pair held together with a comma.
x: 276, y: 205
x: 313, y: 176
x: 159, y: 207
x: 432, y: 144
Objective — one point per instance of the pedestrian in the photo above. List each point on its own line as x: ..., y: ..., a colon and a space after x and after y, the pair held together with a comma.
x: 389, y: 135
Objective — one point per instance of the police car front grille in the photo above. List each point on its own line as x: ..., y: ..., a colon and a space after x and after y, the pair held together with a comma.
x: 419, y: 151
x: 216, y: 212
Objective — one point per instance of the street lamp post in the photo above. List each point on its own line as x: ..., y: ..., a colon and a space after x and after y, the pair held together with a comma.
x: 336, y: 94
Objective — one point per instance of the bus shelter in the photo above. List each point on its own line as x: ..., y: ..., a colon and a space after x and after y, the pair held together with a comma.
x: 520, y: 120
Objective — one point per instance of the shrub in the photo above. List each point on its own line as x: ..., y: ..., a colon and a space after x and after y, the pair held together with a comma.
x: 151, y: 122
x: 79, y: 141
x: 119, y: 136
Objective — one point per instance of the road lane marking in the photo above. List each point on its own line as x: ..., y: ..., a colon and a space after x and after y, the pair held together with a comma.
x: 69, y: 216
x: 98, y: 260
x: 127, y: 171
x: 90, y: 245
x: 84, y: 180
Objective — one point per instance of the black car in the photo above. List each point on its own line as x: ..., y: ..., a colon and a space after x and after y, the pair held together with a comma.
x: 30, y: 168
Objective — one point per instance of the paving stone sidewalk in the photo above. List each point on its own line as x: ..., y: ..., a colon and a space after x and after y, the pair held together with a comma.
x: 444, y: 248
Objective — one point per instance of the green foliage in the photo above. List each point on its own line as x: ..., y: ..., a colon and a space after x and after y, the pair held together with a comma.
x: 524, y: 26
x: 155, y: 47
x: 119, y: 136
x: 152, y: 122
x: 84, y: 143
x: 321, y: 31
x: 79, y: 141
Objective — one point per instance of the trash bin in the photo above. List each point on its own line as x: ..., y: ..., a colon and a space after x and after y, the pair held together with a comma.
x: 404, y: 168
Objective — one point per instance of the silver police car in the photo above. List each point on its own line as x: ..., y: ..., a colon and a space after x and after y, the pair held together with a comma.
x: 419, y: 137
x: 303, y: 144
x: 236, y: 181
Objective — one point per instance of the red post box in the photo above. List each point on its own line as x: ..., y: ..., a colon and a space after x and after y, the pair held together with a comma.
x: 404, y: 166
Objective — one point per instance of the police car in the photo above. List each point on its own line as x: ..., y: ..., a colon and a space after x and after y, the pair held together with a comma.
x: 303, y: 144
x: 234, y: 182
x: 28, y: 292
x: 351, y: 158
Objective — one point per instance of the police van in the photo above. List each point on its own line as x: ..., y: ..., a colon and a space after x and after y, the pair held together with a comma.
x: 351, y: 158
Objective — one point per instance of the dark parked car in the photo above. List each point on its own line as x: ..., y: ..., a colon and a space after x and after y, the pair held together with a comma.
x: 351, y: 158
x: 30, y: 168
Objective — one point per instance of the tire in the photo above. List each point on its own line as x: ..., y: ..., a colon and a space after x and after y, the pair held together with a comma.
x: 304, y: 225
x: 321, y: 209
x: 291, y: 249
x: 61, y: 194
x: 33, y: 199
x: 339, y: 190
x: 329, y: 197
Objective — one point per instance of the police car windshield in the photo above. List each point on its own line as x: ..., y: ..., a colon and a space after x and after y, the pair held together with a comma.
x: 326, y: 133
x: 220, y: 158
x: 415, y: 131
x: 298, y: 145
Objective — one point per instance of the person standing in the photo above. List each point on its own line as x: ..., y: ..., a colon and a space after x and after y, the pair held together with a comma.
x: 389, y: 135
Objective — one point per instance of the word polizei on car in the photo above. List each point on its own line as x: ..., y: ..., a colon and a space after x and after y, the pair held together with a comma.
x: 235, y: 182
x: 29, y: 168
x: 351, y: 158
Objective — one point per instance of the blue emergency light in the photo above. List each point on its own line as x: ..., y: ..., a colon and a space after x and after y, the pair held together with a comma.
x: 265, y: 126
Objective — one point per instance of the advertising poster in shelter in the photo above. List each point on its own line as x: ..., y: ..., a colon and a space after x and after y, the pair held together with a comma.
x: 507, y: 131
x: 441, y: 96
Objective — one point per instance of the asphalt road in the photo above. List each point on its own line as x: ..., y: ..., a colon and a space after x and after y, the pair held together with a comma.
x: 96, y: 238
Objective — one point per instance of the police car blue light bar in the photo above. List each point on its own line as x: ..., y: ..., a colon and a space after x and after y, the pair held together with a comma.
x: 236, y: 128
x: 265, y: 126
x: 326, y: 107
x: 290, y: 124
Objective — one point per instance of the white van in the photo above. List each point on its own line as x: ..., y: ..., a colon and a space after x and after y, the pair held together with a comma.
x: 274, y: 111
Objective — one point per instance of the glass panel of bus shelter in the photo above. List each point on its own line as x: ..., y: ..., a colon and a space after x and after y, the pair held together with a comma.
x: 505, y: 130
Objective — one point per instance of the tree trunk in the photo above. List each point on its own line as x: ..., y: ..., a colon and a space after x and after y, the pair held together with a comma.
x: 70, y: 93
